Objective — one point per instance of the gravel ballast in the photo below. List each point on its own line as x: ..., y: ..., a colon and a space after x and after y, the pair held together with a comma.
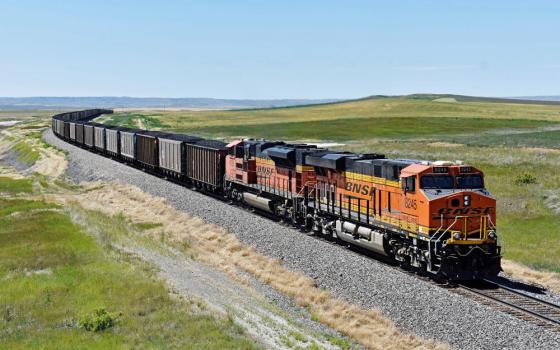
x: 414, y: 305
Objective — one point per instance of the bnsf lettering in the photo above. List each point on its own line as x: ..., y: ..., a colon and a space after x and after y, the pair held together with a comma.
x: 465, y: 211
x: 357, y: 188
x: 264, y: 170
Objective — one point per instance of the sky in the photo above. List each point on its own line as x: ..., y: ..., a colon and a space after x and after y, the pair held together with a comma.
x: 278, y: 49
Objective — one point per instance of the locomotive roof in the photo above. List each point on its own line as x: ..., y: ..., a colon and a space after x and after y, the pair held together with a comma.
x: 279, y: 152
x: 290, y: 155
x: 389, y: 161
x: 328, y: 159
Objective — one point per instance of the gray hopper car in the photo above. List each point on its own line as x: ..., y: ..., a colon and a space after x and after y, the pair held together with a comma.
x: 60, y: 127
x: 127, y: 149
x: 172, y: 152
x: 170, y: 155
x: 99, y: 138
x: 89, y: 135
x: 112, y: 141
x: 73, y: 131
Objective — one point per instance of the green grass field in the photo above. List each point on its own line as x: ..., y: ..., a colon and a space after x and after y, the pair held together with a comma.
x: 15, y: 186
x: 364, y: 128
x: 54, y: 275
x: 26, y: 153
x: 495, y: 135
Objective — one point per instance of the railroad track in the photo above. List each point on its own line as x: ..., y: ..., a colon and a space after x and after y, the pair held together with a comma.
x: 513, y: 302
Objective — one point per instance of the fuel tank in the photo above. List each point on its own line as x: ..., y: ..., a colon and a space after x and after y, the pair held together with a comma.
x: 258, y: 202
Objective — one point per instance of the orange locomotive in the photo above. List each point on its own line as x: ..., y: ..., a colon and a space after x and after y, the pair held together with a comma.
x: 434, y: 216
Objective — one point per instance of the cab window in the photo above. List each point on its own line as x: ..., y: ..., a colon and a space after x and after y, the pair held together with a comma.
x: 409, y: 184
x: 436, y: 182
x: 470, y: 181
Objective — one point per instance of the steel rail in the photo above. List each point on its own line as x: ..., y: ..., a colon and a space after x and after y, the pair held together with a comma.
x: 538, y: 303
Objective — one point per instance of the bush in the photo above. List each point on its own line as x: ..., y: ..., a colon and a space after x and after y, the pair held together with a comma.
x: 525, y: 179
x: 97, y: 321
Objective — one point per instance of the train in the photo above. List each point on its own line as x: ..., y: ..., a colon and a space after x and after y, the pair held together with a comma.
x: 434, y: 217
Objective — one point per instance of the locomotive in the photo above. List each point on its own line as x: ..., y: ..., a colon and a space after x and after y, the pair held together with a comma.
x: 435, y: 217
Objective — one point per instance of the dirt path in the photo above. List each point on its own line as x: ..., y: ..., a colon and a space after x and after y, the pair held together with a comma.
x: 249, y: 309
x: 140, y: 123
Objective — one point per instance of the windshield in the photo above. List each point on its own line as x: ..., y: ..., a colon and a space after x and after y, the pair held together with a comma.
x: 469, y: 181
x: 436, y: 182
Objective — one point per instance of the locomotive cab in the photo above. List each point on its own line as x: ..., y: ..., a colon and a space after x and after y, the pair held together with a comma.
x: 457, y: 215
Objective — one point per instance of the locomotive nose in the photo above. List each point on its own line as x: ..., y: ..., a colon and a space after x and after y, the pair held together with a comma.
x: 467, y: 215
x: 468, y: 203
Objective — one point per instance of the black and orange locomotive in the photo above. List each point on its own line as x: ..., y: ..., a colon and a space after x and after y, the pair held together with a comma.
x: 437, y: 217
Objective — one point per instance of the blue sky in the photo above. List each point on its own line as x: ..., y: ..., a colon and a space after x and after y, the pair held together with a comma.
x: 281, y: 49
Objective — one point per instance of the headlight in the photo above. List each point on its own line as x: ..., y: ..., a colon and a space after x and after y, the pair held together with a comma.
x: 456, y: 236
x: 492, y: 235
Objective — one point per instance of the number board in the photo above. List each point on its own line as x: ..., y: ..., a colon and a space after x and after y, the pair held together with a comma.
x: 441, y: 169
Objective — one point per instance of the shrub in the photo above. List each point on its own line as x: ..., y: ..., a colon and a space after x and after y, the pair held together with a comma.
x: 97, y: 321
x: 525, y: 179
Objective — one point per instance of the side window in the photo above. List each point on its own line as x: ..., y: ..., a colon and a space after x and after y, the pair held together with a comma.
x: 409, y: 184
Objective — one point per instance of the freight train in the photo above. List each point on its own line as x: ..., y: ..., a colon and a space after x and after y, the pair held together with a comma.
x: 434, y: 217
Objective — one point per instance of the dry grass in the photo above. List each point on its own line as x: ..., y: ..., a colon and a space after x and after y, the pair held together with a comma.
x: 550, y: 280
x: 216, y: 247
x: 47, y: 161
x: 51, y: 163
x: 540, y: 150
x: 445, y: 144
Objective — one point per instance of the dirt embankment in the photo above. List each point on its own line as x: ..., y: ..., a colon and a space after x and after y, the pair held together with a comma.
x: 51, y: 162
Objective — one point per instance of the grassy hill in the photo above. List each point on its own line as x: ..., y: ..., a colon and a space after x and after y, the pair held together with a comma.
x: 357, y: 119
x: 464, y: 119
x: 508, y: 139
